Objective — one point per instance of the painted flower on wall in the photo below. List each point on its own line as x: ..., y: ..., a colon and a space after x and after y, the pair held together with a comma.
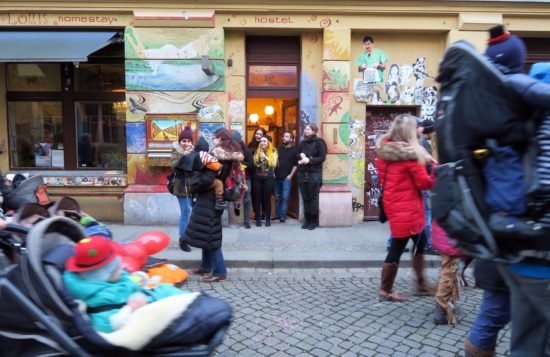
x: 208, y: 112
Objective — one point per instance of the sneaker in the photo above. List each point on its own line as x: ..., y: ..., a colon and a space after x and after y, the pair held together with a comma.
x: 247, y: 225
x: 282, y: 220
x: 221, y: 204
x: 430, y: 251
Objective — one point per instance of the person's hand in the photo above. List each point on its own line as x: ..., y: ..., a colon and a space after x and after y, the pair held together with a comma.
x: 375, y: 65
x: 137, y: 300
x: 3, y: 224
x: 363, y: 67
x: 289, y: 178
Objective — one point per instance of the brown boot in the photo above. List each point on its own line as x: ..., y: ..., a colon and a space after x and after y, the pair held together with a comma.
x: 422, y: 285
x: 386, y: 293
x: 473, y: 351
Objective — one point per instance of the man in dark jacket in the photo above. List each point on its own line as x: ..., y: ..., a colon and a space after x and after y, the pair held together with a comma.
x: 284, y: 172
x: 312, y: 153
x: 528, y: 280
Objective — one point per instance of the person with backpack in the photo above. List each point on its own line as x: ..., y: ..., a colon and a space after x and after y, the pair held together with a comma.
x: 401, y: 167
x: 312, y: 152
x: 266, y: 159
x: 529, y: 279
x: 182, y: 149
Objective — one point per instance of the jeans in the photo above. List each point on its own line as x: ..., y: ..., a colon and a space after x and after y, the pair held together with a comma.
x: 530, y: 302
x: 428, y: 213
x: 212, y: 260
x: 494, y: 314
x: 186, y: 204
x: 282, y: 192
x: 310, y: 185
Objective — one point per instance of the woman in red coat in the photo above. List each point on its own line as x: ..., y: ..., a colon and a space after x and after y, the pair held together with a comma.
x: 401, y: 163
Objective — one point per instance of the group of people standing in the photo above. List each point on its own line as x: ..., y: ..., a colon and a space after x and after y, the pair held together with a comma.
x: 200, y: 174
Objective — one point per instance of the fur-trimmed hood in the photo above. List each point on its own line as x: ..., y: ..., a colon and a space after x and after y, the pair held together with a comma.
x: 395, y: 150
x: 176, y: 146
x: 223, y: 155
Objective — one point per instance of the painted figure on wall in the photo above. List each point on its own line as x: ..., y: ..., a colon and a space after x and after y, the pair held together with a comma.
x: 372, y: 61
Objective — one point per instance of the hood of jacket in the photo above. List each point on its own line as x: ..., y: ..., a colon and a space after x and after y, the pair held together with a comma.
x: 395, y: 150
x: 223, y: 155
x: 176, y: 146
x: 202, y: 145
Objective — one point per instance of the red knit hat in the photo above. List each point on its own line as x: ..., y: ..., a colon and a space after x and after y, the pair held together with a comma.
x: 186, y: 133
x: 92, y: 253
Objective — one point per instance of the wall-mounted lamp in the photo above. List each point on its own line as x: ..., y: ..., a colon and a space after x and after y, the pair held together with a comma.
x: 207, y: 66
x: 253, y: 118
x: 269, y: 109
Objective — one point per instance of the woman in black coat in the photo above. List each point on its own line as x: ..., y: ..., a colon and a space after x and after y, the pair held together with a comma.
x: 312, y: 153
x: 205, y: 225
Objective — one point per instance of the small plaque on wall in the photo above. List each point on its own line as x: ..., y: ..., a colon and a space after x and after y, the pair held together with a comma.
x: 161, y: 131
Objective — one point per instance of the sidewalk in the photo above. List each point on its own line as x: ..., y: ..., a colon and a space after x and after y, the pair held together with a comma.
x: 286, y: 245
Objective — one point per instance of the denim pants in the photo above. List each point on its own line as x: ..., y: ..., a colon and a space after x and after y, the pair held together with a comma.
x: 494, y: 314
x: 428, y: 213
x: 186, y: 204
x: 530, y: 302
x: 282, y: 192
x: 212, y: 260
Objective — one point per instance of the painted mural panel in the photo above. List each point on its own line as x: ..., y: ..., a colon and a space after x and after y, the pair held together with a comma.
x: 135, y: 138
x: 206, y: 130
x: 310, y: 77
x: 272, y: 76
x: 336, y: 137
x: 173, y: 43
x: 173, y: 75
x: 335, y: 107
x: 141, y: 174
x: 336, y: 44
x: 335, y: 169
x: 335, y: 76
x: 207, y: 105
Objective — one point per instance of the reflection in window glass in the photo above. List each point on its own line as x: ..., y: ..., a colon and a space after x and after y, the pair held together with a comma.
x: 273, y: 76
x: 34, y: 77
x: 99, y: 77
x: 36, y: 134
x: 101, y: 135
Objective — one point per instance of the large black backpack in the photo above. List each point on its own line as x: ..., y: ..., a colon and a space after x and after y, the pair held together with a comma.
x: 477, y: 108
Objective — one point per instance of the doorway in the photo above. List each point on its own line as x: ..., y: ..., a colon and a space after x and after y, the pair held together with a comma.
x: 272, y: 92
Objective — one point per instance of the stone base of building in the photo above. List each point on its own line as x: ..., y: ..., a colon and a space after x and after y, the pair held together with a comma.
x: 150, y: 205
x: 335, y: 206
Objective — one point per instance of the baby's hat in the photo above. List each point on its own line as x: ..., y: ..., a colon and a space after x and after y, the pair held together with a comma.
x: 96, y: 257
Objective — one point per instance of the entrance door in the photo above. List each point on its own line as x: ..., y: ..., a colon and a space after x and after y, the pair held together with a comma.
x: 378, y: 121
x: 272, y: 91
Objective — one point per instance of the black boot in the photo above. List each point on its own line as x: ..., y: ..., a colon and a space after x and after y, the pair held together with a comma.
x: 314, y: 223
x: 440, y: 315
x: 258, y: 223
x: 307, y: 220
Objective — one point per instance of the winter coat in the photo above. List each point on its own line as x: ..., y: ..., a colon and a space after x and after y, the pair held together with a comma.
x: 95, y: 293
x: 488, y: 277
x: 402, y: 179
x: 442, y: 243
x: 226, y: 159
x: 316, y: 150
x: 186, y: 165
x: 205, y: 224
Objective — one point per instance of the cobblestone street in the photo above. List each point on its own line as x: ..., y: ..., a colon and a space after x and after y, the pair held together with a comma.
x: 334, y: 312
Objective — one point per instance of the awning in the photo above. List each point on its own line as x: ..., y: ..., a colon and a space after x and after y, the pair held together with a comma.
x: 42, y: 46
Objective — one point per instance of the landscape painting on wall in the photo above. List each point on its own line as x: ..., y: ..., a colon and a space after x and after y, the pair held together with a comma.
x: 163, y: 130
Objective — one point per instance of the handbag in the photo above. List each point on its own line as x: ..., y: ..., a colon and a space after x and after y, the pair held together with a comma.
x: 382, y: 218
x: 170, y: 182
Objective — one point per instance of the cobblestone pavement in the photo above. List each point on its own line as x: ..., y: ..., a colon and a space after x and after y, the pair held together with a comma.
x: 334, y: 312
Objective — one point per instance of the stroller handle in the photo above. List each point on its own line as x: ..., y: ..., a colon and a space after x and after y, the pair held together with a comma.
x: 15, y: 228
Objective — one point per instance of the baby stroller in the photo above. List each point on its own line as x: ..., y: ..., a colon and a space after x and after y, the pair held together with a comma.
x: 38, y: 317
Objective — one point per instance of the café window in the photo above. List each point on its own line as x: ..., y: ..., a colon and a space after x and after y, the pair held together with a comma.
x: 67, y: 116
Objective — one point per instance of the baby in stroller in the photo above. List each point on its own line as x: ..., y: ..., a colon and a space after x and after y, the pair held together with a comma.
x: 94, y: 276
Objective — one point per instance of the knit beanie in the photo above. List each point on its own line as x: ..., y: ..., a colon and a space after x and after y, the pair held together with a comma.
x: 505, y: 49
x: 186, y: 134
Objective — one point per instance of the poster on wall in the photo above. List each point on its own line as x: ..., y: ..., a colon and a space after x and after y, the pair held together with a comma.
x: 161, y: 131
x: 377, y: 123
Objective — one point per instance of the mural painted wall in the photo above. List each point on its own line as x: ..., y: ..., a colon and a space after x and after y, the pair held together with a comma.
x: 236, y: 81
x: 164, y: 76
x: 311, y: 71
x: 408, y: 80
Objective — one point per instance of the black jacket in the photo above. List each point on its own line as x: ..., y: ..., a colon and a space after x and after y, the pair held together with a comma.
x: 488, y: 276
x: 316, y: 150
x: 205, y: 224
